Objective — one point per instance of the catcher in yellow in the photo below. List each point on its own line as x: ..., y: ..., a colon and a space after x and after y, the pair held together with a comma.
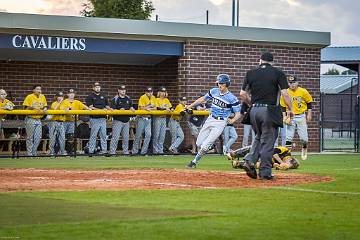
x: 282, y: 158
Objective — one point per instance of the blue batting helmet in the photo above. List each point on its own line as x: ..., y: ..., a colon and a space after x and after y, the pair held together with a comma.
x: 223, y: 79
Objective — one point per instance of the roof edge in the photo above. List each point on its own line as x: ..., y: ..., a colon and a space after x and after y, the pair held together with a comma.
x: 152, y: 30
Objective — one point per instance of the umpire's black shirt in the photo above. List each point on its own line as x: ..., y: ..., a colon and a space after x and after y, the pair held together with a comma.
x: 98, y: 101
x: 263, y: 83
x: 121, y: 103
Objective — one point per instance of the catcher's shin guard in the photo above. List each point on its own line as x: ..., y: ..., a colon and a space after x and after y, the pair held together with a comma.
x: 241, y: 152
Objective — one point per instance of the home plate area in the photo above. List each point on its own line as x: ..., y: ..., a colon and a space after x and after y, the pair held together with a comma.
x: 69, y: 180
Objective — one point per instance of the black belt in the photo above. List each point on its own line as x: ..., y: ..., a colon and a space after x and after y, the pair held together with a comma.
x: 218, y: 118
x: 260, y: 105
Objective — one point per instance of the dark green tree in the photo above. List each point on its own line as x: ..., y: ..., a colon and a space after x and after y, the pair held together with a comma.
x: 332, y: 71
x: 348, y: 72
x: 126, y: 9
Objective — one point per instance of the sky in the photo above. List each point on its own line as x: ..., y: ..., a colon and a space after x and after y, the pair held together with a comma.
x: 340, y: 17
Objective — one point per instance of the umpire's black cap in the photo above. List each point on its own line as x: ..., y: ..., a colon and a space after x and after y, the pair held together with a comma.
x: 122, y: 87
x: 267, y: 56
x: 292, y: 78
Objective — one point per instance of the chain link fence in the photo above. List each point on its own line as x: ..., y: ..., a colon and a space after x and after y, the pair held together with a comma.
x: 340, y: 122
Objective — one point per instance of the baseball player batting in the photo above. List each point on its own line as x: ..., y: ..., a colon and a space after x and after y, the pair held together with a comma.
x: 223, y: 104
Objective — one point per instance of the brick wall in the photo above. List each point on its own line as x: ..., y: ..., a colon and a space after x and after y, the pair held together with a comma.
x: 204, y: 60
x: 18, y: 78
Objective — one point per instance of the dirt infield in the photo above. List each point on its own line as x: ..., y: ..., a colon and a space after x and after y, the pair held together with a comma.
x: 68, y: 180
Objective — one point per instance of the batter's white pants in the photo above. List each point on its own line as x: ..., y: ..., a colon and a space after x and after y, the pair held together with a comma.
x: 211, y: 130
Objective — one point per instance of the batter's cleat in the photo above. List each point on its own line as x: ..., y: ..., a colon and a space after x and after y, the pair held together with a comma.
x: 304, y: 153
x: 191, y: 165
x: 250, y: 170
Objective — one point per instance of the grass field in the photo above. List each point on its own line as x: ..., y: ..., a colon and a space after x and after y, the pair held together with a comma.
x: 328, y: 210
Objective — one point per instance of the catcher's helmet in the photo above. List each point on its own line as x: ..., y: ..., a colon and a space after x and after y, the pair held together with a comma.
x: 223, y: 79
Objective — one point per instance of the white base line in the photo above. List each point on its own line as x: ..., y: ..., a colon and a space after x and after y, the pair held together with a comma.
x: 347, y: 169
x: 315, y: 191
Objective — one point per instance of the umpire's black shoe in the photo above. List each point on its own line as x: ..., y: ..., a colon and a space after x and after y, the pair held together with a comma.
x: 250, y: 170
x: 267, y: 178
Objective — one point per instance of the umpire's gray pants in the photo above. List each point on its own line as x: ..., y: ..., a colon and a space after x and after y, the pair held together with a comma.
x: 177, y: 134
x: 33, y: 135
x: 56, y: 132
x: 98, y: 125
x: 117, y: 128
x: 159, y: 134
x: 263, y: 146
x: 143, y: 125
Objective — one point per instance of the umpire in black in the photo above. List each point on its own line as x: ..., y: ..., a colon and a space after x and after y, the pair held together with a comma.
x: 263, y: 85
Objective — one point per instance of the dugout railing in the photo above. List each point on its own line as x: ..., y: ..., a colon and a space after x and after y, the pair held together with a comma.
x: 13, y: 132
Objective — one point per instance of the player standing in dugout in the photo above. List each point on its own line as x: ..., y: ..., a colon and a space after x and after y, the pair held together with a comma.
x: 35, y: 101
x: 121, y: 124
x: 147, y: 102
x: 97, y: 101
x: 301, y: 102
x: 223, y: 104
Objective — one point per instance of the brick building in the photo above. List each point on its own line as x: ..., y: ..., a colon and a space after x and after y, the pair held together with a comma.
x: 62, y: 52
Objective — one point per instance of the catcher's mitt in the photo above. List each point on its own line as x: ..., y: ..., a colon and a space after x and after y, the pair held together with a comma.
x: 238, y: 164
x: 282, y: 166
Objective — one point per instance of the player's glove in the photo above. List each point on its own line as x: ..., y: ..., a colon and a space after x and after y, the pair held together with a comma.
x: 287, y: 121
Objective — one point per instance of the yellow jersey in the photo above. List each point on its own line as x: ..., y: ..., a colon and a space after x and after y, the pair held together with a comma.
x: 3, y: 104
x: 283, y: 152
x: 34, y: 101
x: 57, y: 117
x: 179, y: 108
x: 144, y: 101
x: 299, y: 99
x: 74, y: 105
x: 163, y: 103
